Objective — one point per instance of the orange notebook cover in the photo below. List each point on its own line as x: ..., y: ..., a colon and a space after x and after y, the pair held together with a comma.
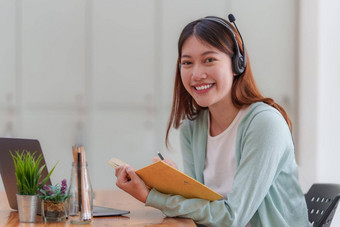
x: 167, y: 179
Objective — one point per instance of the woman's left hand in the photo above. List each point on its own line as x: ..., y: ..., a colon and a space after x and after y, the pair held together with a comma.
x: 130, y: 182
x: 167, y: 161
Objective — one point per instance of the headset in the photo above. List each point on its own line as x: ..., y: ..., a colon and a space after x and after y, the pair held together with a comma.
x: 239, y: 61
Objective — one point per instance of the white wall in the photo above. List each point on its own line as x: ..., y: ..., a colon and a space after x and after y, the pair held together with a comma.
x: 329, y: 133
x: 308, y: 92
x: 319, y: 94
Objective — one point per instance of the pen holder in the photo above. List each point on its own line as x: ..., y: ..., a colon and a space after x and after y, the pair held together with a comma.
x: 80, y: 202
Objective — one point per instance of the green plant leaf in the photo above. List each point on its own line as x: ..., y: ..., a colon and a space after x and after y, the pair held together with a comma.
x: 43, y: 182
x: 27, y: 171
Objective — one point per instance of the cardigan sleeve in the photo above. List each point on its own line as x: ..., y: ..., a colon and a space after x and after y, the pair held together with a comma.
x: 186, y: 149
x: 265, y: 147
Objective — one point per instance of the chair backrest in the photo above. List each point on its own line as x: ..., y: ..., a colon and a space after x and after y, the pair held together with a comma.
x: 322, y: 201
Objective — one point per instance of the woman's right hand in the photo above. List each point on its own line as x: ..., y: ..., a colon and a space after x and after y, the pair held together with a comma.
x: 166, y: 160
x: 129, y: 181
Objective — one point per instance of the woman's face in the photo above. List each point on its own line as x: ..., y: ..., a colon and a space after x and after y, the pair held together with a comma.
x: 206, y: 73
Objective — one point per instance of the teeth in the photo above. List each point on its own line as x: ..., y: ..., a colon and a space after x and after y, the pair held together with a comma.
x: 203, y: 87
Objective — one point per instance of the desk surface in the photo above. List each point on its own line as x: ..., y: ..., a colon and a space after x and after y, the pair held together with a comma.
x: 139, y: 214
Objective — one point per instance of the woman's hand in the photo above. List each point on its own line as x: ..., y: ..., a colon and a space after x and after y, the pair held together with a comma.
x: 130, y: 182
x: 167, y: 161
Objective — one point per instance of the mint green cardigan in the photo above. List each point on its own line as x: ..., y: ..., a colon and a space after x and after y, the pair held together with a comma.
x: 265, y: 189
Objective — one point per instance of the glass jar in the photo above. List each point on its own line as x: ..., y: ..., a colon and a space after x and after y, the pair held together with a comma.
x: 53, y: 211
x: 80, y: 201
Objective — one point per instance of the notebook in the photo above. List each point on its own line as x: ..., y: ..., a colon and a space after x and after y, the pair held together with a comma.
x: 7, y: 172
x: 167, y: 179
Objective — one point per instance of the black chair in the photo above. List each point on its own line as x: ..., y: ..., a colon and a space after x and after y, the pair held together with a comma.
x: 322, y: 201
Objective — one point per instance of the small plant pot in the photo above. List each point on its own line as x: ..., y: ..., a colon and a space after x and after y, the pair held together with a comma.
x: 53, y: 211
x: 27, y: 207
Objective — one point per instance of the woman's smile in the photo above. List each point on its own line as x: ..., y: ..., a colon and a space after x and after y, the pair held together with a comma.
x: 203, y: 88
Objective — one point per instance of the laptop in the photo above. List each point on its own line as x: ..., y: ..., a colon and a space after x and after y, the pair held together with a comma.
x: 7, y: 171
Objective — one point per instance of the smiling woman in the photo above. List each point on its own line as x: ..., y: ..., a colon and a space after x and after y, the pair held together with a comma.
x: 233, y: 139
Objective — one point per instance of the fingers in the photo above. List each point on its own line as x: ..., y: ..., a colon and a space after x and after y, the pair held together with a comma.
x: 170, y: 162
x: 122, y: 175
x: 118, y: 170
x: 131, y: 173
x: 156, y: 159
x: 167, y: 161
x: 128, y: 180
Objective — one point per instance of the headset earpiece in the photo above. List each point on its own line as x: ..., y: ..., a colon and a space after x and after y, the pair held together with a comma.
x: 238, y: 64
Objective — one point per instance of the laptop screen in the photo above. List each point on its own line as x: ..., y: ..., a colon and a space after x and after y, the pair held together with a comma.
x: 7, y: 168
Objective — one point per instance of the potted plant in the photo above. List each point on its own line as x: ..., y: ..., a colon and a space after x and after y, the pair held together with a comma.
x: 28, y: 174
x: 53, y: 206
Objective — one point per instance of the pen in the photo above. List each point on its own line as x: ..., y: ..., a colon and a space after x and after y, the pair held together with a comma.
x: 160, y: 155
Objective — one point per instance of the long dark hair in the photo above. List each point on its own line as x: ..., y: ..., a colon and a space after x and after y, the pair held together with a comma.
x: 244, y: 89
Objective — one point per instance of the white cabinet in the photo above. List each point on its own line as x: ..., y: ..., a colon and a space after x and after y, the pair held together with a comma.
x: 123, y: 84
x: 56, y: 130
x: 126, y: 134
x: 52, y: 52
x: 123, y: 52
x: 8, y: 81
x: 7, y: 52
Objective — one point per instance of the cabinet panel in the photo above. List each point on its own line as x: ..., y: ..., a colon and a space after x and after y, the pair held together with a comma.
x: 124, y: 134
x: 3, y: 133
x: 123, y: 51
x: 7, y: 51
x: 3, y: 123
x: 53, y: 51
x: 57, y: 131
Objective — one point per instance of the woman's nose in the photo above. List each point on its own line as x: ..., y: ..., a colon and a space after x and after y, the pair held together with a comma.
x: 198, y: 73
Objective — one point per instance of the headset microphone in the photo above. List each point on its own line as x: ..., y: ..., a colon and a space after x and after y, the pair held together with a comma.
x: 244, y: 60
x: 231, y: 18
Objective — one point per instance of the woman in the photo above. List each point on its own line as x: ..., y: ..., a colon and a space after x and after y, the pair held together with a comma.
x: 233, y: 139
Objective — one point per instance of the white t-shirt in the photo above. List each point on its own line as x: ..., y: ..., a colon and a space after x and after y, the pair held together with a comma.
x: 220, y: 164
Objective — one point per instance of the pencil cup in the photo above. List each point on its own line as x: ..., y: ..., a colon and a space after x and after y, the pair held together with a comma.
x: 80, y: 202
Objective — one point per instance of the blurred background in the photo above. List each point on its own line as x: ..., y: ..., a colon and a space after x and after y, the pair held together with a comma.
x: 100, y: 73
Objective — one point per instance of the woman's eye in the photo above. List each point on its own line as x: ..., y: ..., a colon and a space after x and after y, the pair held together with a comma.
x: 210, y: 60
x: 186, y: 63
